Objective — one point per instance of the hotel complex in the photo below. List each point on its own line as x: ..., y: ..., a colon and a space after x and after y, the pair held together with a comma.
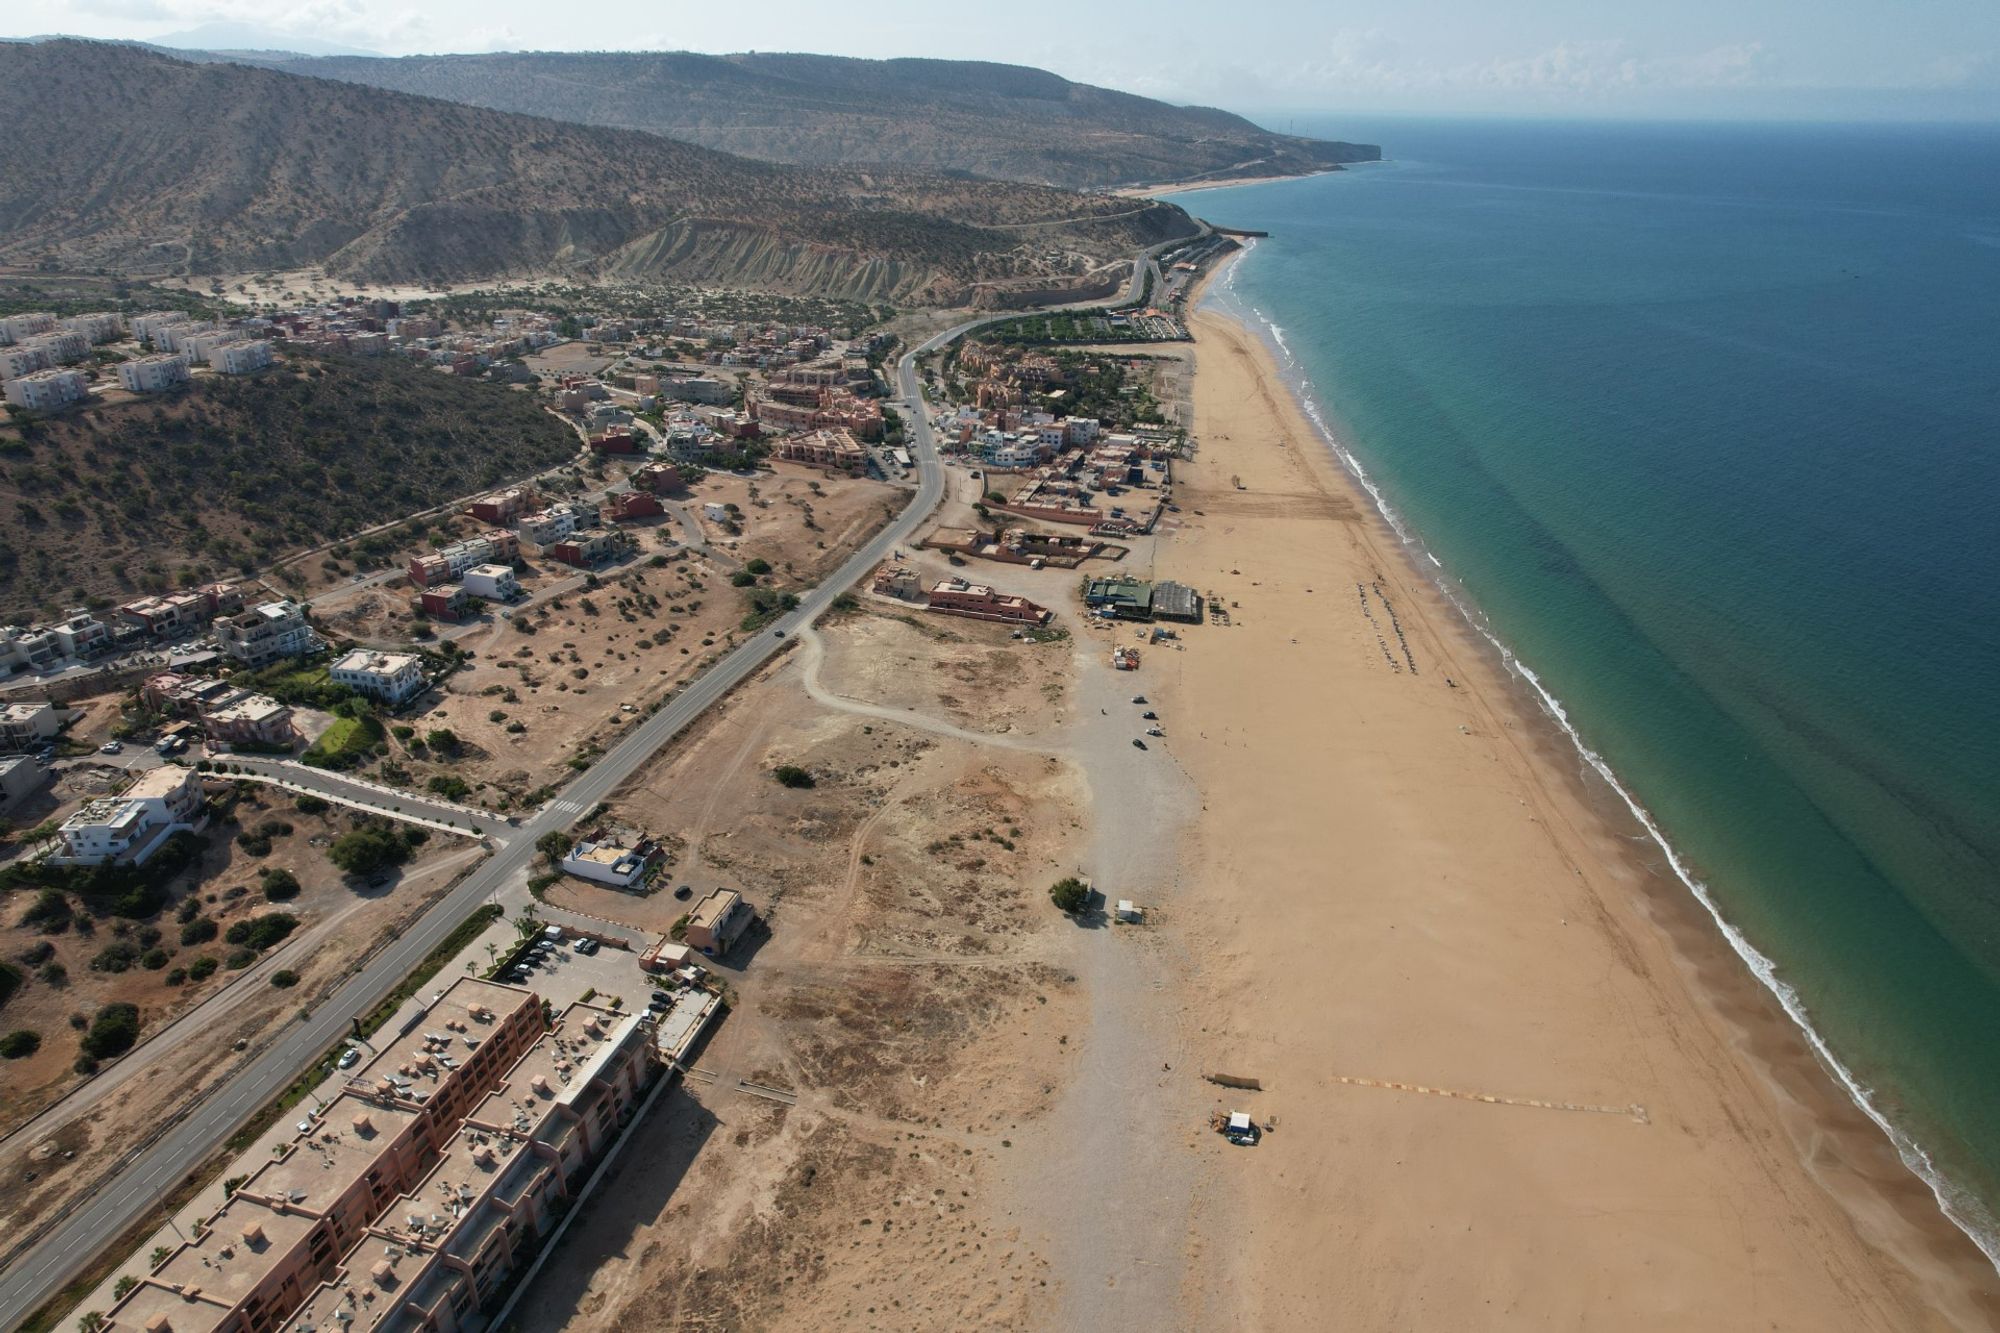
x: 408, y: 1200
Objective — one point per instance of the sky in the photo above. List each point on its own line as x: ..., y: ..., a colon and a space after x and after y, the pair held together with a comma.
x: 1810, y: 59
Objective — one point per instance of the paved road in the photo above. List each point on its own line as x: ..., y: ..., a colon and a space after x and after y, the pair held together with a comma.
x: 373, y: 796
x: 92, y: 1225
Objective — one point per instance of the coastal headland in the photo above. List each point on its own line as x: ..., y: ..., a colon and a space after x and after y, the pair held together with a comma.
x: 1516, y: 1074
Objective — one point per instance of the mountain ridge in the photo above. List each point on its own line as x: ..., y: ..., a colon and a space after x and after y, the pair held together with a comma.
x: 139, y: 162
x: 1008, y: 122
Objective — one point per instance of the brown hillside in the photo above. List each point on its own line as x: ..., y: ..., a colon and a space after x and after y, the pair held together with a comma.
x: 124, y: 159
x: 1002, y: 121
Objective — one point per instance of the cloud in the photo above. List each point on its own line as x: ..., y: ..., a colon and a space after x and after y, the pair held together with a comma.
x: 144, y: 11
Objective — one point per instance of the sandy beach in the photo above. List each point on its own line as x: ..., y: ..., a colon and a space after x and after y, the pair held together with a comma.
x: 1518, y: 1076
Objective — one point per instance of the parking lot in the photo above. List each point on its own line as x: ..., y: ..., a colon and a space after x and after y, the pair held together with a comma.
x: 562, y: 975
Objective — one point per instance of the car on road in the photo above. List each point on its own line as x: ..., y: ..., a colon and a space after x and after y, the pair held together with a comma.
x: 111, y: 747
x: 777, y: 634
x: 349, y: 1058
x: 1137, y: 743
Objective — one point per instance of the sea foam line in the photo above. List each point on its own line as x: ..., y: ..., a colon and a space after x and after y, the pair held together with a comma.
x: 1963, y: 1210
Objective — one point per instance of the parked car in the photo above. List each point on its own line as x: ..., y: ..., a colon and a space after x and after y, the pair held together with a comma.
x: 1150, y: 715
x: 587, y: 947
x: 349, y: 1058
x: 1154, y: 731
x: 684, y: 892
x: 1138, y: 744
x: 1138, y: 698
x: 111, y: 747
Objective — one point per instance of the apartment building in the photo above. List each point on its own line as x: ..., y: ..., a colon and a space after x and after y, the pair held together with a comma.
x: 240, y: 357
x: 659, y: 478
x: 62, y: 347
x: 132, y: 825
x: 496, y: 583
x: 249, y: 719
x: 33, y: 649
x: 584, y: 549
x: 99, y: 326
x: 20, y: 328
x: 718, y: 921
x: 81, y: 635
x: 411, y: 1198
x: 23, y: 359
x: 625, y: 506
x: 977, y: 601
x: 825, y: 448
x: 174, y: 613
x: 181, y: 337
x: 449, y: 563
x: 503, y: 507
x: 448, y: 602
x: 617, y: 440
x: 26, y: 725
x: 390, y: 677
x: 266, y: 633
x: 153, y: 374
x: 552, y: 524
x: 48, y: 390
x: 19, y: 776
x: 147, y: 328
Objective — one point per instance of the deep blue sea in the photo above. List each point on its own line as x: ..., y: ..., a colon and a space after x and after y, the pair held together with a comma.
x: 1705, y: 422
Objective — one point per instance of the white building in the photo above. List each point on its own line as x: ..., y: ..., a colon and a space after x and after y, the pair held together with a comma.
x: 151, y: 374
x: 82, y: 635
x: 63, y: 347
x: 552, y: 524
x: 20, y: 328
x: 24, y: 726
x: 100, y: 326
x: 496, y: 583
x: 266, y: 633
x: 390, y: 677
x: 240, y: 357
x: 48, y: 390
x: 197, y: 347
x: 177, y: 337
x: 147, y: 328
x: 132, y: 825
x: 620, y: 867
x: 19, y: 775
x: 25, y: 359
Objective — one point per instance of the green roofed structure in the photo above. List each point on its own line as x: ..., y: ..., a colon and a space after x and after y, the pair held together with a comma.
x: 1120, y: 597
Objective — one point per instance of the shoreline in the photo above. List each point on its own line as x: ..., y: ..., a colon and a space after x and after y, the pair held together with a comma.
x: 1618, y: 802
x: 1831, y: 1145
x: 1193, y: 187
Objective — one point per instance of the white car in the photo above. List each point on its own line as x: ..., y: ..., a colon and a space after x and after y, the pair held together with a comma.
x: 111, y: 747
x: 349, y: 1058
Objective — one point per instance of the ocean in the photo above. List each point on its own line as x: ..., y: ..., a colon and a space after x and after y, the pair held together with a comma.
x: 1702, y: 423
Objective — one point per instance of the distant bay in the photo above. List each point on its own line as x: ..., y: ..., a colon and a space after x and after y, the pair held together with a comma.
x: 1705, y: 422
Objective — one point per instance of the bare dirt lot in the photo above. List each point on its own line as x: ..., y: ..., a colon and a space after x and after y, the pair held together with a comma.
x: 157, y: 964
x: 910, y: 995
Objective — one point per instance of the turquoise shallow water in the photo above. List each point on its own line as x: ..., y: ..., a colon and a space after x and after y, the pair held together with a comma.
x: 1705, y: 421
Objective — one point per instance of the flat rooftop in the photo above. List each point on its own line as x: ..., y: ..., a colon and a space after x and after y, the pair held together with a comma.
x: 325, y: 1161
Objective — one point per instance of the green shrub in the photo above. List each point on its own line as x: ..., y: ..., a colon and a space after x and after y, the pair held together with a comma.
x: 348, y: 742
x: 791, y: 775
x: 757, y: 567
x: 285, y: 979
x: 201, y: 968
x: 51, y: 913
x: 20, y: 1044
x: 368, y: 849
x: 199, y: 931
x: 280, y: 885
x: 261, y: 932
x: 1071, y: 894
x: 450, y: 786
x: 308, y: 804
x: 117, y: 956
x: 153, y: 959
x: 112, y: 1032
x: 238, y: 959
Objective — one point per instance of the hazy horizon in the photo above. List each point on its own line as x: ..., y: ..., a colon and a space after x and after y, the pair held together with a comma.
x: 1707, y: 59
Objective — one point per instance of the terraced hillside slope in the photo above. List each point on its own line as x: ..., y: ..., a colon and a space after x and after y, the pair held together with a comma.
x: 229, y: 474
x: 1007, y: 122
x: 123, y: 159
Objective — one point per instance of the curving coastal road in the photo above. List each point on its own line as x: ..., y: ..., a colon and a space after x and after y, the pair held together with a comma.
x: 151, y: 1172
